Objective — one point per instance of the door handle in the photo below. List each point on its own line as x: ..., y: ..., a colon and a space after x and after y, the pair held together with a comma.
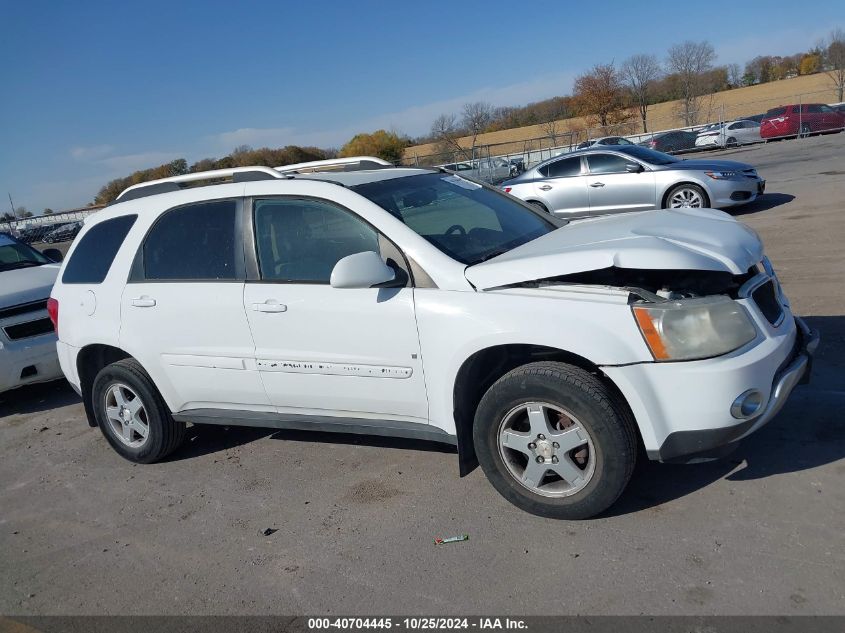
x: 597, y: 184
x: 143, y: 302
x: 545, y: 187
x: 271, y: 305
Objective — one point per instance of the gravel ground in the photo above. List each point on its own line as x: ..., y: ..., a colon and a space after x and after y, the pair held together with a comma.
x: 84, y: 532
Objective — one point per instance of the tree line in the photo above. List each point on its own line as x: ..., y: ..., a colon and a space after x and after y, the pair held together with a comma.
x: 606, y: 94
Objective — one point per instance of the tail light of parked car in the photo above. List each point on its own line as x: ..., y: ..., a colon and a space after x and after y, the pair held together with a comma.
x: 507, y: 189
x: 53, y: 311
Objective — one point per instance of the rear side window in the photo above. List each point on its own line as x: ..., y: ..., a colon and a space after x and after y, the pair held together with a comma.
x: 776, y: 112
x: 196, y: 242
x: 563, y: 168
x: 94, y: 254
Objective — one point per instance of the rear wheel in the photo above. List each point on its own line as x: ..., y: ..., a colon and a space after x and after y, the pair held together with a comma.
x: 730, y: 142
x: 805, y: 130
x: 539, y: 205
x: 132, y: 415
x: 554, y: 441
x: 686, y: 195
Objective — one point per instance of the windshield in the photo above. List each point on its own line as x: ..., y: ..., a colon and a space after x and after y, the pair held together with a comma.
x: 648, y: 155
x: 468, y: 222
x: 14, y: 254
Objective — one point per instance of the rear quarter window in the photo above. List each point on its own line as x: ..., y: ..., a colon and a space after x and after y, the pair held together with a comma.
x: 93, y: 256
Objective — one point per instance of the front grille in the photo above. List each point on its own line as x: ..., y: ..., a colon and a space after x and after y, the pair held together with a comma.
x: 23, y: 308
x: 766, y: 299
x: 28, y: 329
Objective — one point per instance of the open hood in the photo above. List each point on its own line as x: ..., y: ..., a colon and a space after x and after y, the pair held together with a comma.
x: 677, y: 239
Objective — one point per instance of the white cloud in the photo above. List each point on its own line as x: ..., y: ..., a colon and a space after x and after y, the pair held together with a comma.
x: 94, y: 152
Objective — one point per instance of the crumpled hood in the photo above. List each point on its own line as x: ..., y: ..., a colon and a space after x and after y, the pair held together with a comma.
x: 27, y: 284
x: 685, y: 239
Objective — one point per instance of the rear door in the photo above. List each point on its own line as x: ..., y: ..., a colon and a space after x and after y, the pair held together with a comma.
x: 182, y: 312
x: 563, y: 190
x: 612, y: 189
x: 350, y: 352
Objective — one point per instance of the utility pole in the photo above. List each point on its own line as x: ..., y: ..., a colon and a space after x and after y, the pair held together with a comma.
x: 14, y: 214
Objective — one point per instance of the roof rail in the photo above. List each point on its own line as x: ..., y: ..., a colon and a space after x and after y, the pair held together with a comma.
x: 353, y: 163
x: 174, y: 183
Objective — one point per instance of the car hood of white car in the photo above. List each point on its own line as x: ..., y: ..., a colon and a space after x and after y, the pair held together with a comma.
x: 24, y: 285
x: 677, y: 239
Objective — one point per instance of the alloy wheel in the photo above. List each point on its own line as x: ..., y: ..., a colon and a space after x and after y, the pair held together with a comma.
x: 546, y: 449
x: 127, y: 415
x: 686, y: 197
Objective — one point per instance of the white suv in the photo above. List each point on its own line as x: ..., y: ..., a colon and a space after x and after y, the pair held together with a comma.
x: 363, y: 298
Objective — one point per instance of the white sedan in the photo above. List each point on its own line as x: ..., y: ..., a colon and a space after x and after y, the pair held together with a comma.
x: 730, y: 134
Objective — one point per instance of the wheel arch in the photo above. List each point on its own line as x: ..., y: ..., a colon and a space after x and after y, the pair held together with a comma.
x: 89, y: 361
x: 484, y: 367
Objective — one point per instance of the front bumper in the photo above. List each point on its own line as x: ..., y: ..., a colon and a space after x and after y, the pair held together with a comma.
x: 684, y: 411
x: 731, y: 193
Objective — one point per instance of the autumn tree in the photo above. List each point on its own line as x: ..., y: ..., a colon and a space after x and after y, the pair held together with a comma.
x: 47, y: 211
x: 386, y: 145
x: 7, y: 217
x: 689, y: 61
x: 835, y: 61
x: 639, y: 73
x: 22, y: 212
x: 599, y: 94
x: 810, y: 64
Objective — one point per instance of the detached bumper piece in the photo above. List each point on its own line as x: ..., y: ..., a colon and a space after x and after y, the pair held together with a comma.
x: 696, y: 446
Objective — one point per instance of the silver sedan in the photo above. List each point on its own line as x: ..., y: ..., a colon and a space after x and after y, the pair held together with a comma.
x: 599, y: 181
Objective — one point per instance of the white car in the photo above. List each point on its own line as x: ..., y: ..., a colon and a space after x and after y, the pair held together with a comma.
x: 731, y: 134
x: 27, y: 339
x: 418, y: 304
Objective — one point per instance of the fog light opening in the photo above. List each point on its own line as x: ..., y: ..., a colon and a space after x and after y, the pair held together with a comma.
x: 747, y: 405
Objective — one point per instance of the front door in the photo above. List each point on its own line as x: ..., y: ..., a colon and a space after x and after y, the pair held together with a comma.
x: 612, y: 189
x: 322, y: 350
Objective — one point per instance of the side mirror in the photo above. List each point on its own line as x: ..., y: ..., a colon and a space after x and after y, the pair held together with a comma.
x: 634, y: 168
x: 53, y: 254
x: 361, y: 270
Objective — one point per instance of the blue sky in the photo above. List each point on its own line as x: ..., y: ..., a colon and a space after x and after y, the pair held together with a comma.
x: 95, y: 90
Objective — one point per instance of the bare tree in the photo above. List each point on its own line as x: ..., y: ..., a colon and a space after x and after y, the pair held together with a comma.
x: 835, y: 61
x: 639, y: 72
x: 476, y: 117
x: 689, y: 61
x: 551, y: 128
x: 445, y: 132
x: 734, y: 75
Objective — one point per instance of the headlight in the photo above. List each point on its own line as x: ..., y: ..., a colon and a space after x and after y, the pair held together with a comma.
x: 694, y: 328
x: 721, y: 175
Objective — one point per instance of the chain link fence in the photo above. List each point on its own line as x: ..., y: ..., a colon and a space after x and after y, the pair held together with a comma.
x: 38, y: 228
x: 704, y: 124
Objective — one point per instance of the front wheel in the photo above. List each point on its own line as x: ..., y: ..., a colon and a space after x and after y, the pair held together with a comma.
x: 805, y: 130
x: 132, y: 415
x: 539, y: 206
x: 554, y: 441
x: 686, y: 195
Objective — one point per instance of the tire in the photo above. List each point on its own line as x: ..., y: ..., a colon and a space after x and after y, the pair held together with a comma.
x: 694, y: 195
x: 805, y: 130
x: 123, y: 423
x: 597, y: 447
x: 539, y: 205
x: 730, y: 142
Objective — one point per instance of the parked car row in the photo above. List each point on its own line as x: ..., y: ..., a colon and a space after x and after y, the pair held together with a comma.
x: 801, y: 120
x: 50, y: 233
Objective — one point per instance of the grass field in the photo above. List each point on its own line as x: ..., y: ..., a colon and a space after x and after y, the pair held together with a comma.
x: 730, y: 104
